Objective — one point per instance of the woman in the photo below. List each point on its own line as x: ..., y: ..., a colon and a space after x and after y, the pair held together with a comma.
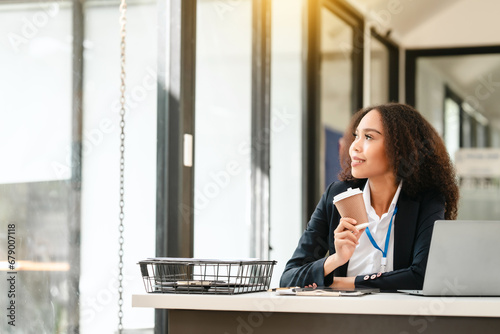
x: 401, y: 164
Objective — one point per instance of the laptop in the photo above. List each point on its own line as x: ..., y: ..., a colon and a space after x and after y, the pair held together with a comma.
x: 464, y: 259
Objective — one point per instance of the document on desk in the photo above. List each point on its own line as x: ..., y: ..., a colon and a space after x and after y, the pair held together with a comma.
x: 325, y: 292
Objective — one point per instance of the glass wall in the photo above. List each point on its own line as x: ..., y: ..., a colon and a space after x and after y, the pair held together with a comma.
x: 100, y: 174
x: 457, y: 95
x: 36, y: 196
x: 336, y: 87
x: 286, y: 131
x: 379, y: 72
x: 451, y: 126
x: 67, y: 263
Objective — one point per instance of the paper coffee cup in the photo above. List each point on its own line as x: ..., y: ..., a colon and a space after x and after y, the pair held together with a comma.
x: 350, y: 204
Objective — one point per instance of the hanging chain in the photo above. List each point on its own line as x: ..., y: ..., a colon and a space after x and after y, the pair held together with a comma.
x: 123, y: 33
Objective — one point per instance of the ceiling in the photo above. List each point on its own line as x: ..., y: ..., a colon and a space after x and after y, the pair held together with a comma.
x: 428, y: 24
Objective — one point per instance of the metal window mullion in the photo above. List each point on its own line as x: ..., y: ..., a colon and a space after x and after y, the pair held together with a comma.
x: 175, y: 182
x: 188, y: 84
x: 358, y: 66
x: 175, y: 118
x: 261, y: 132
x: 311, y: 113
x: 393, y: 66
x: 76, y: 168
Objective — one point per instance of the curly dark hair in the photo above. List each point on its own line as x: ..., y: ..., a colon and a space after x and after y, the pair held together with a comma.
x: 415, y: 150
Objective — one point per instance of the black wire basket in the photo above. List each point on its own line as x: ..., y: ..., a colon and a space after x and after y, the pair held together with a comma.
x: 196, y: 276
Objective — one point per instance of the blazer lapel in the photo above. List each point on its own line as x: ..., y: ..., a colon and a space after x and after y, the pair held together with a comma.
x: 405, y: 226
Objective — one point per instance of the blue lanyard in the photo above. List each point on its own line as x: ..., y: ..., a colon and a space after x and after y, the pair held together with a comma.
x: 387, y: 238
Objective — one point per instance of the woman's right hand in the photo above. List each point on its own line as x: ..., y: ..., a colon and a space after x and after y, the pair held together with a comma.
x: 346, y: 238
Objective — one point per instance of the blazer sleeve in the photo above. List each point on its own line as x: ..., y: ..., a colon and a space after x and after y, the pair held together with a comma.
x: 431, y: 208
x: 306, y: 265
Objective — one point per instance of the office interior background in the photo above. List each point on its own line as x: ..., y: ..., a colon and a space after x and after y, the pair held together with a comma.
x: 262, y: 88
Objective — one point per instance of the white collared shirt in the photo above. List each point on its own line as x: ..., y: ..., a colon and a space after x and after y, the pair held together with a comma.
x: 366, y: 259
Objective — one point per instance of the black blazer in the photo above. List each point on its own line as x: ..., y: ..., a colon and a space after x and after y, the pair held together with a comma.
x: 413, y: 226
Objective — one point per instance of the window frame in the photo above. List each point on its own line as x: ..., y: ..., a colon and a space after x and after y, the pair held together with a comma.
x: 312, y: 132
x: 393, y: 50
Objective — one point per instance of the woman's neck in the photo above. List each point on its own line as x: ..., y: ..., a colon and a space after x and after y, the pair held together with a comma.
x: 381, y: 193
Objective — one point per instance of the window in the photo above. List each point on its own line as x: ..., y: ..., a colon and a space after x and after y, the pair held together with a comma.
x: 340, y: 80
x: 452, y: 123
x: 100, y: 173
x: 67, y: 222
x: 222, y: 189
x: 384, y: 70
x: 286, y: 132
x: 37, y: 194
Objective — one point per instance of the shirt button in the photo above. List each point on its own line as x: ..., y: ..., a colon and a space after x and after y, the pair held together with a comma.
x: 366, y: 277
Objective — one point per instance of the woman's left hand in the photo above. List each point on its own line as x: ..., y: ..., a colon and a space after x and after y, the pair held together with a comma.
x: 343, y: 283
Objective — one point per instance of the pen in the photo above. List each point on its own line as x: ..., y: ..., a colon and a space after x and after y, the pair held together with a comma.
x: 361, y: 226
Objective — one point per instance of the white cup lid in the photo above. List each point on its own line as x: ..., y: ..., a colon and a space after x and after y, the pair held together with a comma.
x: 348, y: 193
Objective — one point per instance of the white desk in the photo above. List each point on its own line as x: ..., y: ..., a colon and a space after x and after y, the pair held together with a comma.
x: 266, y: 312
